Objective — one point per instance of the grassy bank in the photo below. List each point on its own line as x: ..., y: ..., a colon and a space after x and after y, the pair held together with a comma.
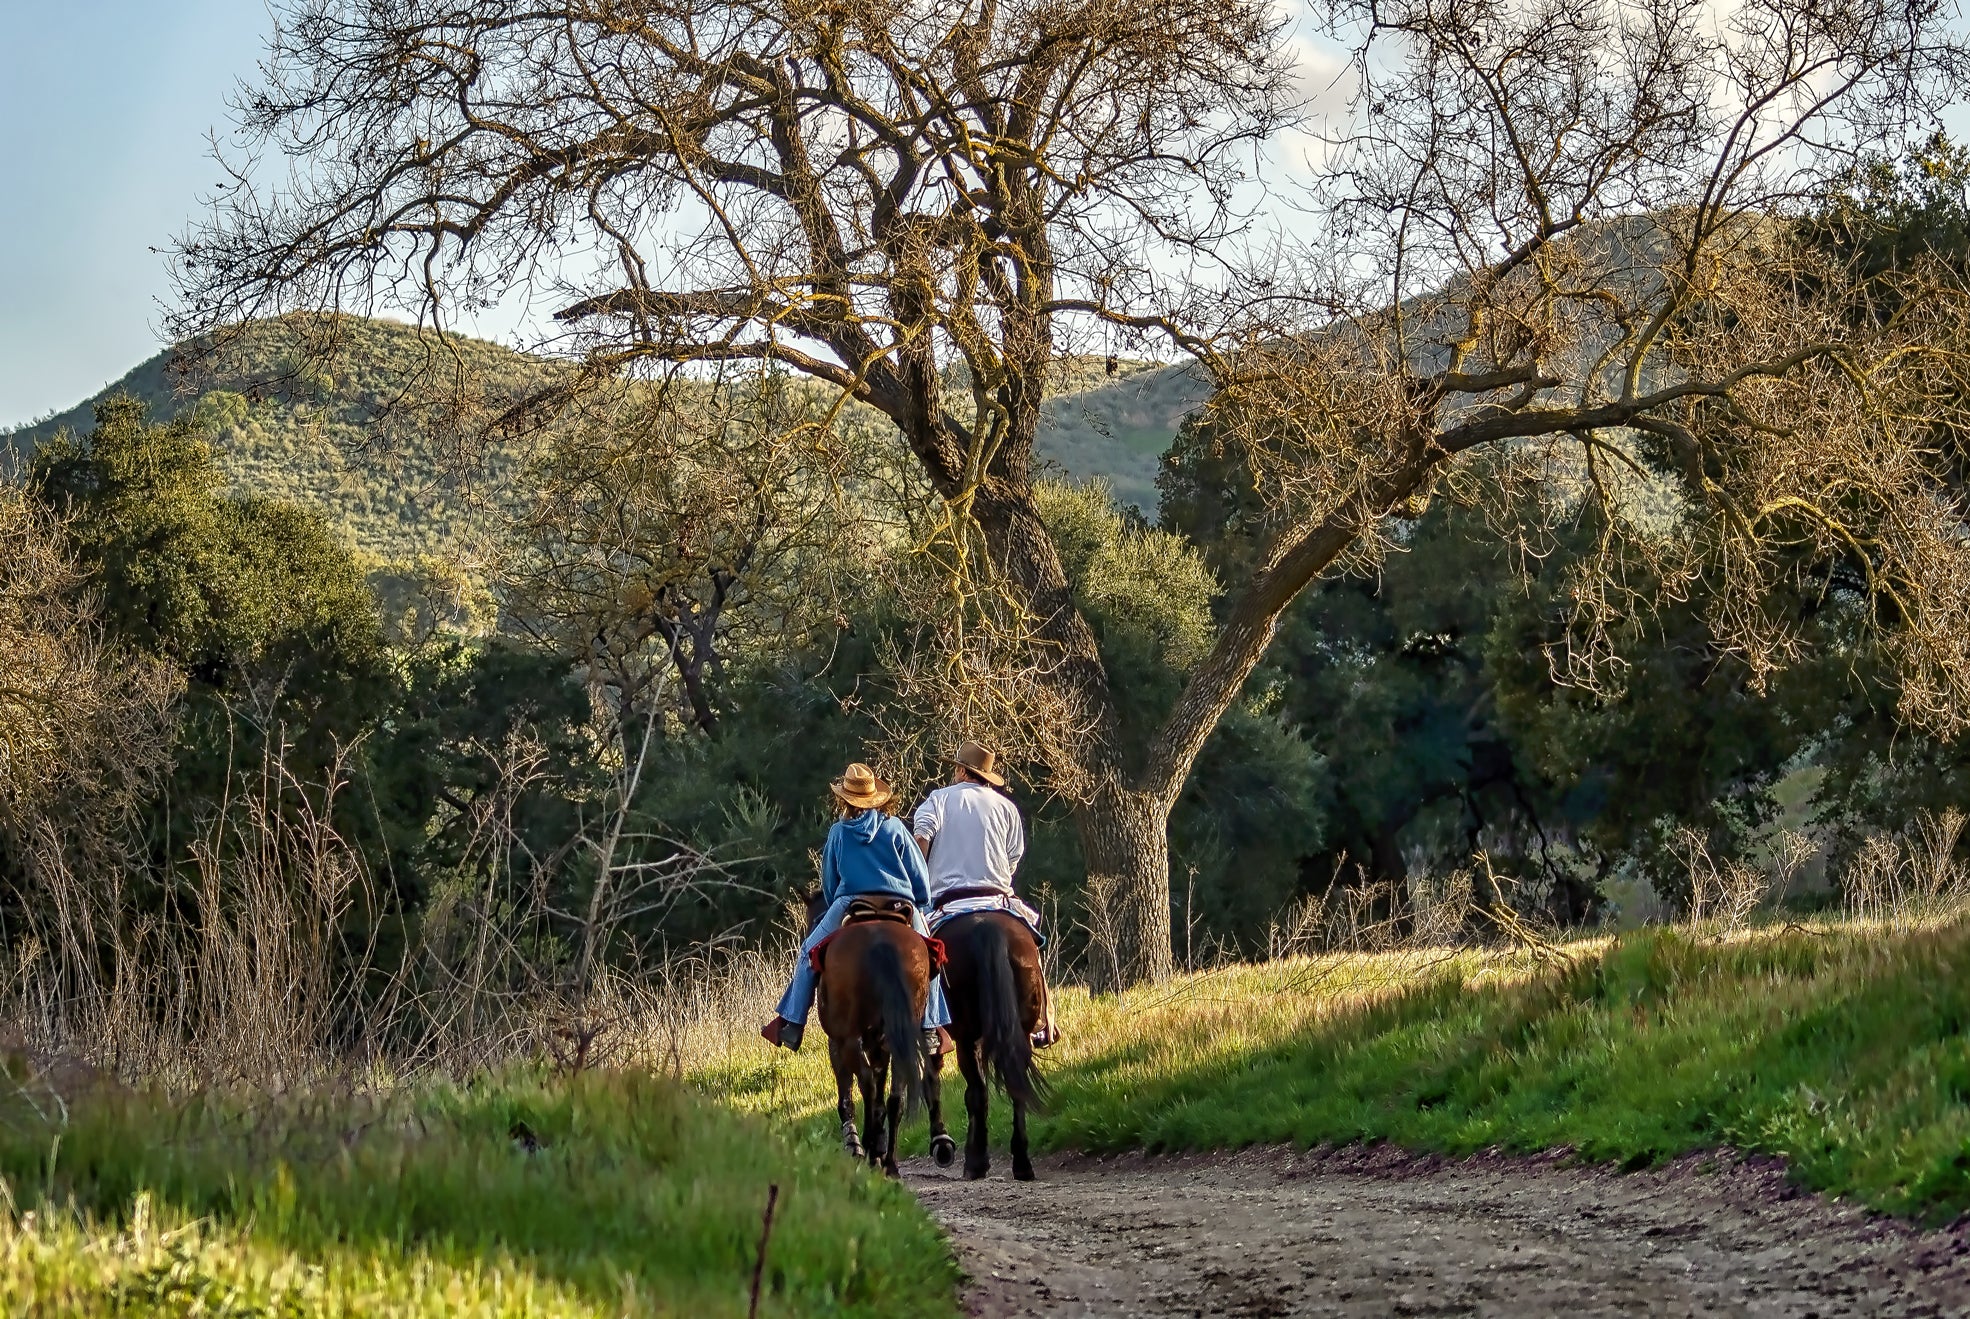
x: 1840, y: 1048
x: 638, y: 1199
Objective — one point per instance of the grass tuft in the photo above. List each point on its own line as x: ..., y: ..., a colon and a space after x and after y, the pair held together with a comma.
x: 636, y: 1199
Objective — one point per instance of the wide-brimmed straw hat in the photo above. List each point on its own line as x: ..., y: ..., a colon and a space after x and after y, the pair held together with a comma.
x: 858, y: 786
x: 979, y: 761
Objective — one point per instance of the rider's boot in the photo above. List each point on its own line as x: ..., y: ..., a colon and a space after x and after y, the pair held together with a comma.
x: 1048, y: 1033
x: 786, y: 1034
x: 937, y: 1040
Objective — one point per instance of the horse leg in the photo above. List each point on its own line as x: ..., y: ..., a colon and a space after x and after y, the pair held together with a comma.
x: 942, y: 1148
x: 841, y: 1056
x: 977, y: 1135
x: 868, y: 1076
x: 883, y: 1150
x: 1022, y: 1165
x: 893, y: 1130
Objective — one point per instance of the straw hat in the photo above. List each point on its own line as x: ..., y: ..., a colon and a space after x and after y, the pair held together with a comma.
x: 858, y: 786
x: 979, y: 761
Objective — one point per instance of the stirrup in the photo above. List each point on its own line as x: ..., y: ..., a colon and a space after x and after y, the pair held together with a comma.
x: 783, y: 1033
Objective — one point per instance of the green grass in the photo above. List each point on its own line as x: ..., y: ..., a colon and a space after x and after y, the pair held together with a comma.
x: 1840, y: 1049
x: 642, y: 1199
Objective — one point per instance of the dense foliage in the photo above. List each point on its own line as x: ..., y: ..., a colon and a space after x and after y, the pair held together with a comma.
x: 618, y: 747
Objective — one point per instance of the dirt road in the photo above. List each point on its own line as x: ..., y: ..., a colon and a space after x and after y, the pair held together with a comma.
x: 1361, y: 1233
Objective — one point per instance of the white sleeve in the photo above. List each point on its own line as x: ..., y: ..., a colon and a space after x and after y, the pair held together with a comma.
x: 929, y: 817
x: 1015, y: 836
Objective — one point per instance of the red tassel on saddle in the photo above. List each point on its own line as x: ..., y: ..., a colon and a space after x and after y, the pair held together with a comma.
x: 931, y: 943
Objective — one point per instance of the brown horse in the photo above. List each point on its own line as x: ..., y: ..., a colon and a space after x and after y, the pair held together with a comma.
x: 875, y: 977
x: 992, y: 979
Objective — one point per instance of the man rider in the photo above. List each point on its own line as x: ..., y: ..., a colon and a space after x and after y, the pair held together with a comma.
x: 971, y: 834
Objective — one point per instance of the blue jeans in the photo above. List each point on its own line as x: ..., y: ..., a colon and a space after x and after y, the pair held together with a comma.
x: 800, y: 994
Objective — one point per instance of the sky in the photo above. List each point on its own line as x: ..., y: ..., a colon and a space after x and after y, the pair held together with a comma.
x: 104, y: 110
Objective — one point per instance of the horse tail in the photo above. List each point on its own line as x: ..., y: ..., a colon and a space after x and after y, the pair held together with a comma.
x: 902, y: 1021
x: 1008, y: 1049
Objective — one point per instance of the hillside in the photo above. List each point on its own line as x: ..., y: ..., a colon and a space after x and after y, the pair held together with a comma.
x: 1119, y: 428
x: 340, y: 441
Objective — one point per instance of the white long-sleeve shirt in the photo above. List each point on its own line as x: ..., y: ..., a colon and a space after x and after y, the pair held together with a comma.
x: 975, y: 836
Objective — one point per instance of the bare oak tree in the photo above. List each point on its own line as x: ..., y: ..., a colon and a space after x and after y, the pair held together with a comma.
x: 1549, y: 220
x: 671, y: 527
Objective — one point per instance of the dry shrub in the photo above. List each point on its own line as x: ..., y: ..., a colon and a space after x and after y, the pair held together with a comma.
x: 1911, y: 879
x: 270, y: 958
x: 1726, y: 893
x: 84, y: 733
x: 1443, y: 907
x: 245, y: 970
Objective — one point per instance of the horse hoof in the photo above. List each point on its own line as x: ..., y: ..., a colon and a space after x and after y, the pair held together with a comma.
x: 975, y: 1171
x: 1022, y: 1173
x: 943, y: 1151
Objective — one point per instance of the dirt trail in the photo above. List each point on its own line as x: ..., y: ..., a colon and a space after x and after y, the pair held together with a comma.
x: 1375, y: 1233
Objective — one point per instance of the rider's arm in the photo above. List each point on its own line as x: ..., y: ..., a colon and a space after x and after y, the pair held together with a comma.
x: 830, y: 869
x: 1015, y: 838
x: 917, y: 871
x: 924, y: 823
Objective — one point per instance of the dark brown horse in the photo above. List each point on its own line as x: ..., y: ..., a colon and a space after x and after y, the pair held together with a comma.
x: 992, y: 979
x: 875, y: 976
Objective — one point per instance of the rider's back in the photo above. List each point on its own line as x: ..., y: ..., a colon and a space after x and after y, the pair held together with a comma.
x: 976, y: 838
x: 871, y: 853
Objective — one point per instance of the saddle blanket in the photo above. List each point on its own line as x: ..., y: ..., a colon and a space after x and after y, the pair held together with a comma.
x: 987, y: 902
x: 817, y: 956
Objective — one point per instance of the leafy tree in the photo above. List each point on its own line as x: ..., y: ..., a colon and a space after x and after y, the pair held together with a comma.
x: 250, y: 597
x: 257, y: 605
x: 872, y: 194
x: 683, y: 528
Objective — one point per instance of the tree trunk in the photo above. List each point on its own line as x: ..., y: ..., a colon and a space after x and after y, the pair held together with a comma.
x: 1125, y: 845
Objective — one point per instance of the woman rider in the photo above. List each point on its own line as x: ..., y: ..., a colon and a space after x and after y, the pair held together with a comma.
x: 868, y: 851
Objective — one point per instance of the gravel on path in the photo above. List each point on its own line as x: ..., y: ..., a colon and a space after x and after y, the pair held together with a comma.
x: 1374, y: 1232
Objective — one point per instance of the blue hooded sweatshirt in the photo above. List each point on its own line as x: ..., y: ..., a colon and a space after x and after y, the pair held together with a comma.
x: 873, y: 853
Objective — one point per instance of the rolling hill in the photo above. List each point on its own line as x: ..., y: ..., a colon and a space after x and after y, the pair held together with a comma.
x: 342, y: 442
x: 338, y: 441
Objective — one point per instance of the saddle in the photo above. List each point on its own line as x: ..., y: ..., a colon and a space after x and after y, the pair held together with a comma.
x: 880, y: 909
x: 862, y: 911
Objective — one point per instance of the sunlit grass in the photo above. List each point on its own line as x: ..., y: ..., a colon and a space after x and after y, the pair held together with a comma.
x: 1839, y: 1046
x: 1114, y: 1043
x: 637, y: 1200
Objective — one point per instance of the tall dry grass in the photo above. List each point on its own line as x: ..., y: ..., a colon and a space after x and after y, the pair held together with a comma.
x: 269, y: 953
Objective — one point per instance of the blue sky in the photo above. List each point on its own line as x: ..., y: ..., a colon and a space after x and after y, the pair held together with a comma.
x: 104, y: 110
x: 105, y: 107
